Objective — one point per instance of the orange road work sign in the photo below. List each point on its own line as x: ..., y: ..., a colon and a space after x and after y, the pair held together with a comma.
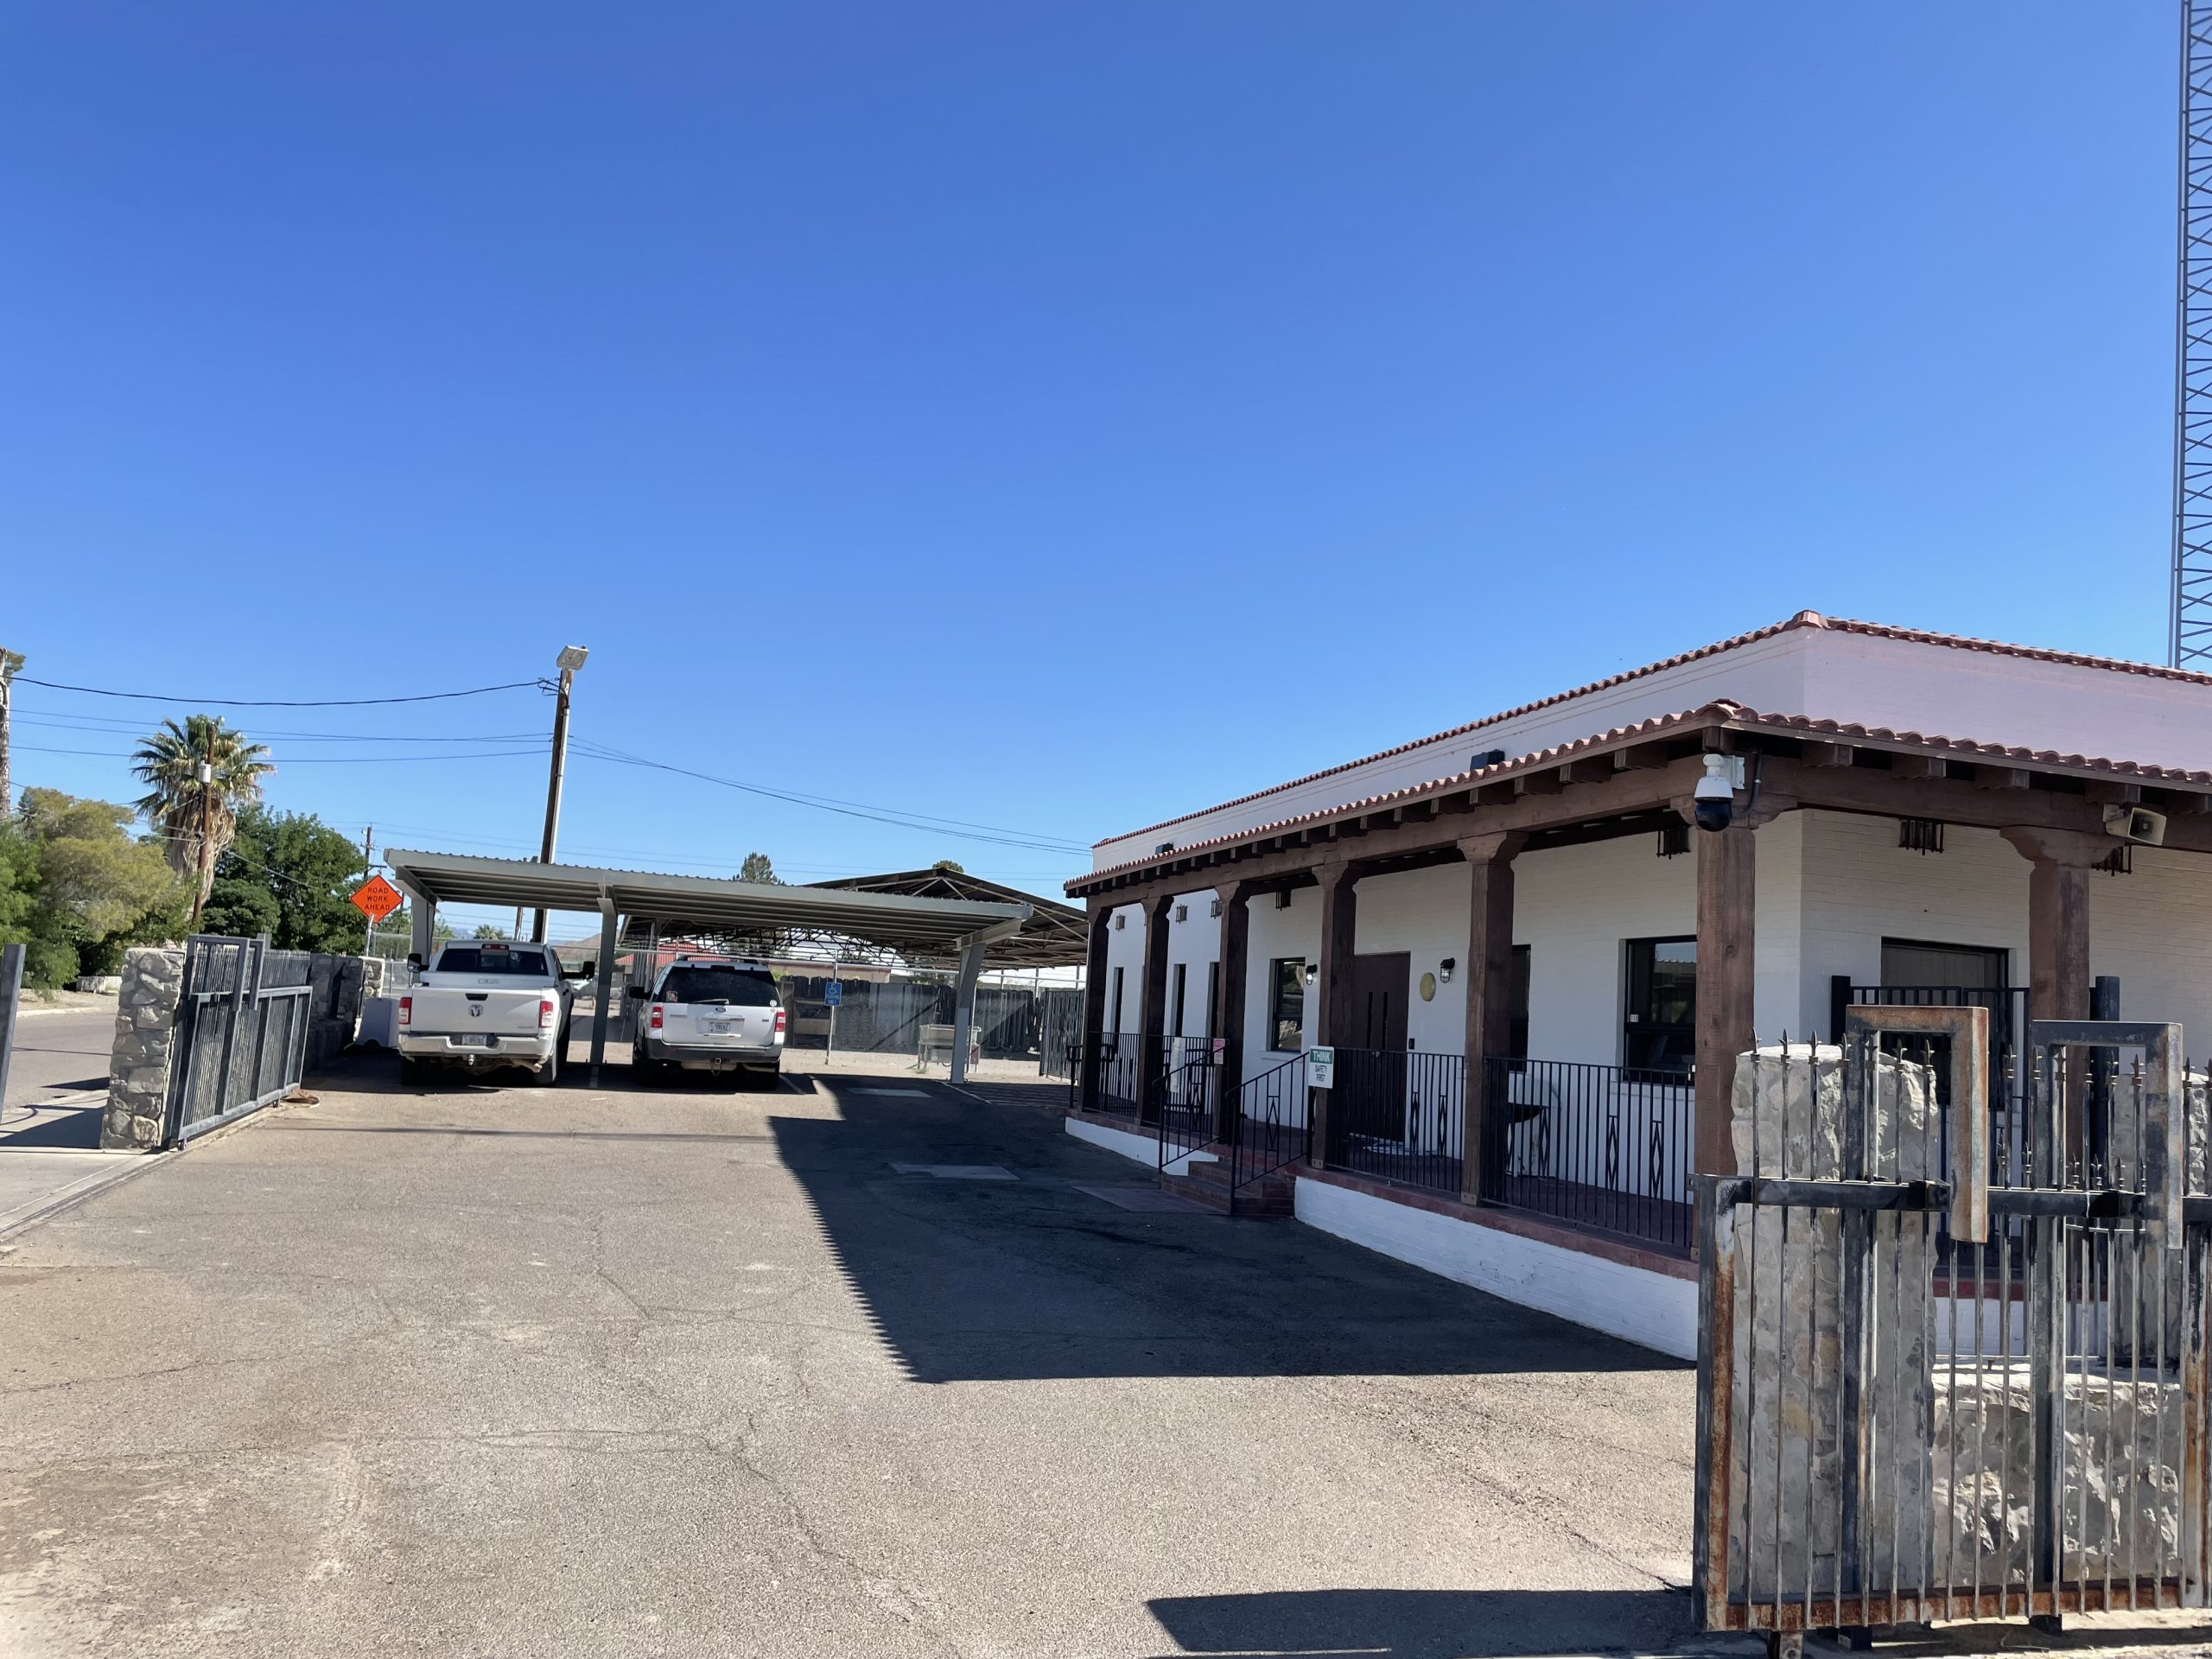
x: 377, y: 898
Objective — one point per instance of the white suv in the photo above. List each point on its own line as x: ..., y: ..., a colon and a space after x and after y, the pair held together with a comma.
x: 708, y: 1014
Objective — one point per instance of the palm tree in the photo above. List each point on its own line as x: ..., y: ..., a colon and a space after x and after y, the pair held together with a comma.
x: 197, y: 776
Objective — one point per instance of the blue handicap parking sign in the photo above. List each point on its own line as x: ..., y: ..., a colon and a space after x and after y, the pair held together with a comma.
x: 835, y: 993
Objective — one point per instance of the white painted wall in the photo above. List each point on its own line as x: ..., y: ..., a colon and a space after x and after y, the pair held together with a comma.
x: 1905, y: 686
x: 1652, y: 1309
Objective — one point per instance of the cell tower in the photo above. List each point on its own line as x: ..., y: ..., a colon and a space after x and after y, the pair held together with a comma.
x: 2191, y: 643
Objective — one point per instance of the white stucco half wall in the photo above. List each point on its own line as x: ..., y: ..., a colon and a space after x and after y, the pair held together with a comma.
x: 1653, y: 1310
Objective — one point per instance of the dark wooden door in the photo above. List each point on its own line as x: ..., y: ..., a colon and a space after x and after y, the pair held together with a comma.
x: 1380, y: 985
x: 1370, y: 1100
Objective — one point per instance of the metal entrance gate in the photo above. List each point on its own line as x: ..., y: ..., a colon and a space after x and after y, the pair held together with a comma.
x: 1896, y: 1426
x: 241, y: 1033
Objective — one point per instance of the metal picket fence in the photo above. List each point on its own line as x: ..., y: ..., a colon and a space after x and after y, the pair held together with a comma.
x: 241, y: 1033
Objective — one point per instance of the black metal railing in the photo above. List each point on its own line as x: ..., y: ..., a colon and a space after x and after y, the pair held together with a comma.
x: 1106, y: 1075
x: 1189, y: 1098
x: 1271, y: 1129
x: 1399, y: 1116
x: 1597, y: 1147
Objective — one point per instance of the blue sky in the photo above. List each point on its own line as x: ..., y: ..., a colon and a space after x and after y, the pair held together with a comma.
x: 1048, y: 417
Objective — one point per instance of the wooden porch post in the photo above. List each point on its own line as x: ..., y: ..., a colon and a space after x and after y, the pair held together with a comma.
x: 1332, y: 1012
x: 1152, y: 1046
x: 1489, y: 970
x: 2059, y: 862
x: 1236, y: 951
x: 1090, y: 1042
x: 1726, y: 868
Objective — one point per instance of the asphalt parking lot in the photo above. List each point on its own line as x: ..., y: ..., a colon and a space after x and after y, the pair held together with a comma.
x: 860, y: 1366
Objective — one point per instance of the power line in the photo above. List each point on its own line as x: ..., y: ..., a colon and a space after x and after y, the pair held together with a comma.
x: 108, y: 726
x: 284, y: 702
x: 308, y: 760
x: 954, y: 827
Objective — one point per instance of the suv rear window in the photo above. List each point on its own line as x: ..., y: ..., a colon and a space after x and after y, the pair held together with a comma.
x: 474, y: 959
x: 741, y: 987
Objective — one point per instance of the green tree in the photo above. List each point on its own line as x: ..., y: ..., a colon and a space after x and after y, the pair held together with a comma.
x: 288, y: 874
x: 948, y: 867
x: 198, y: 819
x: 487, y: 931
x: 76, y: 889
x: 757, y: 867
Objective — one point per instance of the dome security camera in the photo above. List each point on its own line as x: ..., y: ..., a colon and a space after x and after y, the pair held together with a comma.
x: 1715, y: 794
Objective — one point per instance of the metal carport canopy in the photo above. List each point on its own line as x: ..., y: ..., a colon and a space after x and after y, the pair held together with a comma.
x: 942, y: 927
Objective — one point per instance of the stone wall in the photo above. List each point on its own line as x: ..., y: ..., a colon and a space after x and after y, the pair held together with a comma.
x: 138, y: 1069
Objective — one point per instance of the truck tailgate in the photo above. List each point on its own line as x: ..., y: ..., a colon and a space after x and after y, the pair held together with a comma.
x: 510, y: 1012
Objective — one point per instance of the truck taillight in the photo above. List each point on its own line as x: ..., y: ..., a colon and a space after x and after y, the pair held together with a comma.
x: 779, y: 1022
x: 406, y: 1010
x: 656, y: 1025
x: 545, y: 1012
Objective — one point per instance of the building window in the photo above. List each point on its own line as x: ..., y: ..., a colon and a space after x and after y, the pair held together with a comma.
x: 1662, y: 1025
x: 1286, y: 1004
x: 1114, y: 1007
x: 1213, y: 1001
x: 1918, y: 965
x: 1177, y: 979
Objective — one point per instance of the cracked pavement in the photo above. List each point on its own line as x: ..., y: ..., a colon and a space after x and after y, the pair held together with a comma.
x: 505, y: 1371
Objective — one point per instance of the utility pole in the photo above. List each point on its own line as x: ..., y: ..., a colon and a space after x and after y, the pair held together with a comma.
x: 205, y: 774
x: 570, y: 659
x: 9, y: 662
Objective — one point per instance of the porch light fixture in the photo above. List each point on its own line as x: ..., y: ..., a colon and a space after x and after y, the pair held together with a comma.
x: 1312, y: 972
x: 1119, y: 922
x: 1182, y: 912
x: 1444, y: 969
x: 1214, y: 910
x: 1282, y: 898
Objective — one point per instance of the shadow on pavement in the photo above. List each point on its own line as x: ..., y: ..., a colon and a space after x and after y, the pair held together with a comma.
x: 51, y: 1129
x: 1426, y: 1624
x: 973, y: 1280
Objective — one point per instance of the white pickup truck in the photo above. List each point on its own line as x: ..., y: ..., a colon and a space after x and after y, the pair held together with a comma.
x: 484, y: 1003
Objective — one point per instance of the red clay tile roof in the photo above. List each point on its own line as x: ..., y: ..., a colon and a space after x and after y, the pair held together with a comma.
x: 1732, y: 715
x: 1802, y: 620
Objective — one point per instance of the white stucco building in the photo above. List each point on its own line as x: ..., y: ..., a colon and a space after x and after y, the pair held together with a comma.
x: 1953, y: 816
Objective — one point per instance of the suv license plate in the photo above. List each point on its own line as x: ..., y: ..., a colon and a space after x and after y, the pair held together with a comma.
x: 476, y: 1042
x: 719, y: 1027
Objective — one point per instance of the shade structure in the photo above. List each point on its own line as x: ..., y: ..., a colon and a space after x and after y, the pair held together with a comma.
x: 744, y: 915
x: 1055, y: 936
x: 916, y: 927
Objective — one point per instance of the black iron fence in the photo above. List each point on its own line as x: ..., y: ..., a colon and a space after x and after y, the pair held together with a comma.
x: 1399, y: 1115
x: 1106, y: 1075
x: 241, y: 1033
x: 1597, y: 1147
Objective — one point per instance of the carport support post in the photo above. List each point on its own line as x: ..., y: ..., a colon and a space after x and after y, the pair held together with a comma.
x: 422, y: 914
x: 603, y: 987
x: 964, y: 1010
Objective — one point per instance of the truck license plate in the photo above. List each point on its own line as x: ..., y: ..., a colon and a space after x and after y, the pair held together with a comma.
x: 476, y: 1042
